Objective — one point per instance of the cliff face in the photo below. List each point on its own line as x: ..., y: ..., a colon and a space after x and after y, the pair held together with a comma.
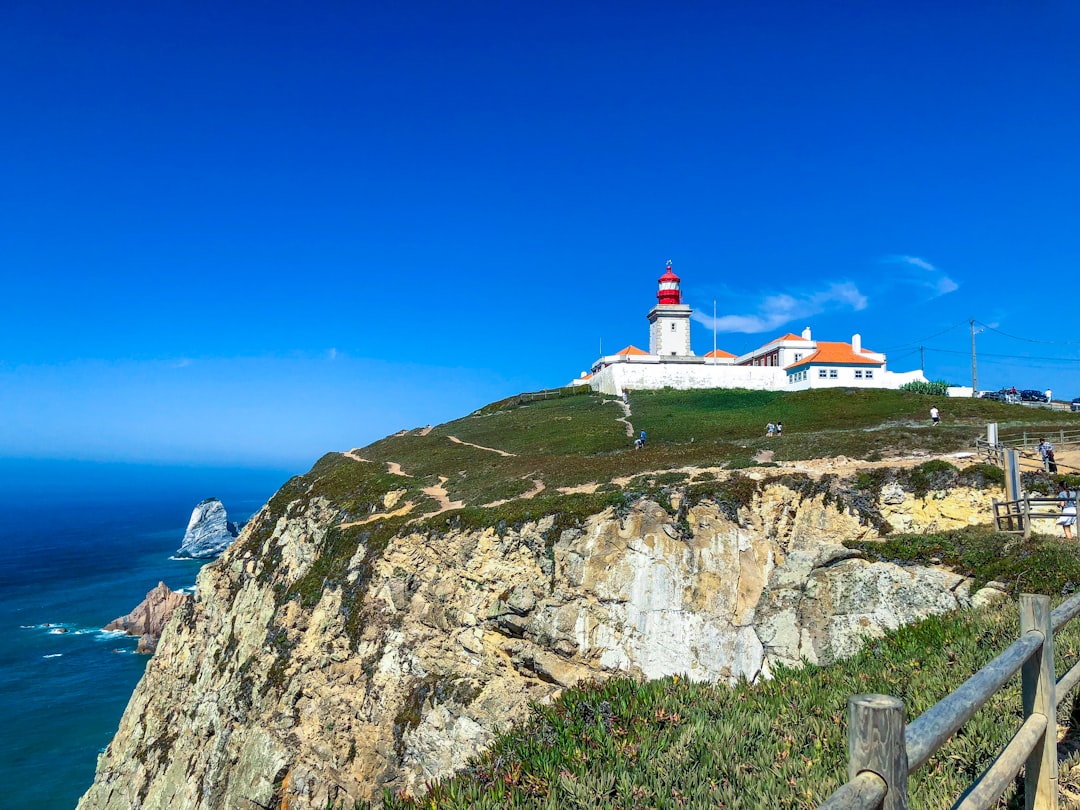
x: 323, y: 659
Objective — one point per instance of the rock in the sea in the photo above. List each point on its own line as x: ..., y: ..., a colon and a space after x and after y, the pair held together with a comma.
x: 150, y: 617
x: 209, y: 532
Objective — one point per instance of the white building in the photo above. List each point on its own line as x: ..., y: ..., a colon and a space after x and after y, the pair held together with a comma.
x: 788, y: 363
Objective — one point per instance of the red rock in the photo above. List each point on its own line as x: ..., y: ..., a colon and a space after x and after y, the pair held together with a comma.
x: 148, y: 619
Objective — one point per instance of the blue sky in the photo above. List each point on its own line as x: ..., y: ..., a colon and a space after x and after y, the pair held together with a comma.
x: 246, y: 234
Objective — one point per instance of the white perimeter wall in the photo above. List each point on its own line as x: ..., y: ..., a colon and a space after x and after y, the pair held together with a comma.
x: 616, y: 378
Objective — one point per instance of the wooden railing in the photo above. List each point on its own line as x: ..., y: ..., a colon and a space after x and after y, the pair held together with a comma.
x: 1016, y: 516
x: 883, y: 751
x: 1029, y: 439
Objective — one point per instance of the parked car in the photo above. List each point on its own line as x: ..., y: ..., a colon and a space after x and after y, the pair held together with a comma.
x: 1075, y: 405
x: 1000, y: 396
x: 1031, y: 395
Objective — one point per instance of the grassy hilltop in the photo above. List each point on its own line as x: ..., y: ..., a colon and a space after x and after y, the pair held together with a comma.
x: 575, y: 441
x: 672, y: 743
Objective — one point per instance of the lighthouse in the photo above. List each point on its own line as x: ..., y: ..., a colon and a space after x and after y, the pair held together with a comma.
x: 669, y: 320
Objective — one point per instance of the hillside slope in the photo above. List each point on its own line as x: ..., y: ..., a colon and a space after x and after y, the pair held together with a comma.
x: 385, y: 613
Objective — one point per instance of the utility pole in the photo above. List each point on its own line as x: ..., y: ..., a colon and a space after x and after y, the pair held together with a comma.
x: 922, y: 360
x: 974, y: 374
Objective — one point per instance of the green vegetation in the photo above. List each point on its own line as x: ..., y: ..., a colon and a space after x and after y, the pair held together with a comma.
x: 936, y: 388
x: 672, y: 743
x: 780, y: 743
x: 1043, y: 562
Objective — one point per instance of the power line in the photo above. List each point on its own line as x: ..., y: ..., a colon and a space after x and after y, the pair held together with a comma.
x: 920, y: 341
x: 1008, y: 356
x: 1030, y: 340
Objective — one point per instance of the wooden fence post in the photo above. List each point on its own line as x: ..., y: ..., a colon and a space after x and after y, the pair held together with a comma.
x: 876, y: 743
x: 1027, y: 516
x: 1038, y: 686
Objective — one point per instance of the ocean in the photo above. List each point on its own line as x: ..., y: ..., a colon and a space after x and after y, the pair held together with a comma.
x: 80, y: 544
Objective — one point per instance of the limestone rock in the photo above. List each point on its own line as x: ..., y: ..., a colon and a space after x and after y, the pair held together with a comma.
x: 280, y: 679
x: 149, y: 618
x: 209, y: 531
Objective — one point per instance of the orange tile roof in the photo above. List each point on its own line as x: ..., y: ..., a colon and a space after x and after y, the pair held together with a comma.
x: 782, y: 338
x: 836, y: 354
x: 631, y: 350
x: 719, y: 353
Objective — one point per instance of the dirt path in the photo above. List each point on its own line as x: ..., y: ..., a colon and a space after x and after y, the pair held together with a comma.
x: 404, y: 509
x: 392, y: 467
x: 456, y: 440
x: 442, y: 497
x: 625, y: 418
x: 538, y: 487
x: 587, y: 489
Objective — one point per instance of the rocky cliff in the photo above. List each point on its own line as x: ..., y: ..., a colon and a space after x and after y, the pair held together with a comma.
x: 343, y: 646
x: 209, y: 531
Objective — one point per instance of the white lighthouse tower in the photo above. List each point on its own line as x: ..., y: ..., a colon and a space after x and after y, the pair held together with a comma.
x: 669, y: 320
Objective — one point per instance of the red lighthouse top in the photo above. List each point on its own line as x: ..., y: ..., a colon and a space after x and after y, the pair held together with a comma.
x: 669, y: 288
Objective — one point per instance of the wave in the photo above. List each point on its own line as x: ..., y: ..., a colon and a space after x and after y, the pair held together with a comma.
x: 53, y: 655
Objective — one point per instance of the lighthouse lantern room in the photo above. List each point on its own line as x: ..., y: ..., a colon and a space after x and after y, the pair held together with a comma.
x: 669, y: 320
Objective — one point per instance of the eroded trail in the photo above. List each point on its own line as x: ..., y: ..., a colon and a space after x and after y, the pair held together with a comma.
x: 442, y: 497
x: 404, y: 509
x: 538, y: 487
x: 392, y: 467
x: 503, y: 453
x: 625, y: 418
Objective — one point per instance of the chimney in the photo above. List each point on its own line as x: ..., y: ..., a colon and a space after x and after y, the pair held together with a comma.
x: 806, y: 333
x: 856, y: 344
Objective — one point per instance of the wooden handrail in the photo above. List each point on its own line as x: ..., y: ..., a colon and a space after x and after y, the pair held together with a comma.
x: 930, y: 730
x: 1003, y: 770
x: 887, y: 750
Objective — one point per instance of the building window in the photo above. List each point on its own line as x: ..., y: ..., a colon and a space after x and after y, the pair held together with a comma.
x: 673, y: 327
x: 822, y: 373
x: 798, y: 357
x: 832, y: 373
x: 869, y: 374
x: 858, y: 374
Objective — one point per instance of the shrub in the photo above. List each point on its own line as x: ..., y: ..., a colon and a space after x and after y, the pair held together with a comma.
x: 937, y: 388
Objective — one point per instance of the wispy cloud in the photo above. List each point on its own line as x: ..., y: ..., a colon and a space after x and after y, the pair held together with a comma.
x: 932, y: 279
x: 331, y: 354
x: 770, y: 311
x: 183, y: 362
x: 776, y: 310
x: 913, y: 260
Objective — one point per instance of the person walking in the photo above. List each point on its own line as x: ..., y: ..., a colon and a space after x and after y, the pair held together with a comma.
x: 935, y: 417
x: 1067, y: 502
x: 1046, y: 452
x: 770, y: 430
x: 779, y: 429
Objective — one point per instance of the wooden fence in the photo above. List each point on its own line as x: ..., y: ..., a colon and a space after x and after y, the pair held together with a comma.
x: 1016, y: 516
x: 883, y: 751
x: 1029, y: 439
